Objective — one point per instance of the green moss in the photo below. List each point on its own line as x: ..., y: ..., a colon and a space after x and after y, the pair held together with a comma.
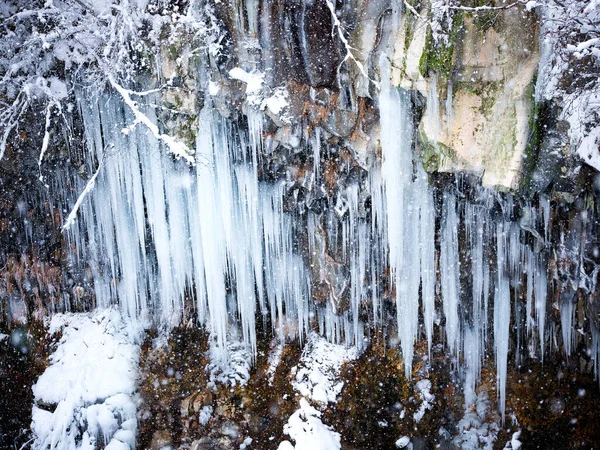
x: 487, y: 91
x: 532, y: 148
x: 439, y: 57
x: 484, y: 20
x: 433, y: 155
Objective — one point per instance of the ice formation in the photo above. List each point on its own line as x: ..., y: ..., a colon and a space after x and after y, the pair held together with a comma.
x: 161, y: 237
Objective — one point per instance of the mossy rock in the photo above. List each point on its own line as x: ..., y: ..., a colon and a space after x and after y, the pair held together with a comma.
x: 439, y: 56
x: 434, y: 156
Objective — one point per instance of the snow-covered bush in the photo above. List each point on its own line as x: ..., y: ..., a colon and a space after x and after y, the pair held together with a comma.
x: 47, y: 47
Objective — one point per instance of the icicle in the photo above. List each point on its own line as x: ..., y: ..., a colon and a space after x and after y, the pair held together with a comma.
x: 540, y: 292
x: 474, y: 334
x: 379, y: 242
x: 545, y: 208
x: 502, y: 314
x: 403, y: 200
x: 428, y: 272
x: 212, y: 229
x: 567, y: 314
x: 530, y: 268
x: 472, y: 356
x: 595, y: 350
x: 316, y: 147
x: 449, y: 267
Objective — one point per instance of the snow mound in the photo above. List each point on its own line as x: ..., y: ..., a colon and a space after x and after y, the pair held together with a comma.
x: 86, y: 397
x: 317, y: 379
x: 230, y: 367
x: 310, y: 433
x: 317, y: 374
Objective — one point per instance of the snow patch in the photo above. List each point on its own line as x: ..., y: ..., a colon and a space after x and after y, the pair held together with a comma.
x: 514, y: 443
x: 316, y: 378
x: 205, y: 414
x: 257, y: 93
x: 318, y: 371
x: 273, y: 361
x: 308, y: 431
x: 230, y: 367
x: 91, y: 381
x: 403, y: 442
x: 423, y: 390
x: 474, y: 432
x: 254, y: 84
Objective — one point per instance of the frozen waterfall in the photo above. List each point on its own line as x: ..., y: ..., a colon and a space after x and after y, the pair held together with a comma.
x: 219, y: 242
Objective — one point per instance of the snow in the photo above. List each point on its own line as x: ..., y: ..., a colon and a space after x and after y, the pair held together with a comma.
x: 92, y: 382
x: 254, y: 84
x: 530, y: 5
x: 213, y: 88
x: 230, y: 367
x: 246, y: 443
x: 308, y: 431
x: 318, y: 371
x: 589, y: 149
x: 278, y: 103
x: 403, y: 442
x: 317, y: 379
x: 58, y: 88
x: 273, y: 361
x: 423, y: 390
x: 205, y: 414
x: 514, y: 442
x: 475, y: 431
x: 257, y: 93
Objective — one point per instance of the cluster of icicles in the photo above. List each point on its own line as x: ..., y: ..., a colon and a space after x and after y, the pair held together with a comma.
x: 160, y: 237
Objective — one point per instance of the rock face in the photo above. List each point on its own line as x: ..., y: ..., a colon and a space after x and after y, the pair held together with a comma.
x: 287, y: 216
x: 478, y: 80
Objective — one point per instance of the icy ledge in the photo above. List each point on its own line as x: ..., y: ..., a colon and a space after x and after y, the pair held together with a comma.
x: 86, y: 397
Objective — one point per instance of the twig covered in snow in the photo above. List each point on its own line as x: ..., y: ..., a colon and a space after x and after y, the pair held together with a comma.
x: 53, y: 104
x: 177, y: 148
x: 349, y: 55
x: 487, y: 8
x: 88, y: 187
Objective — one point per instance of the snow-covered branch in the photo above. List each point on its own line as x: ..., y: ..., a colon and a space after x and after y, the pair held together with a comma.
x: 489, y: 8
x: 349, y: 49
x: 88, y: 188
x: 46, y: 140
x: 177, y: 148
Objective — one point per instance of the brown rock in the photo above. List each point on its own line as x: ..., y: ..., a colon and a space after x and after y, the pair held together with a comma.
x: 161, y: 439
